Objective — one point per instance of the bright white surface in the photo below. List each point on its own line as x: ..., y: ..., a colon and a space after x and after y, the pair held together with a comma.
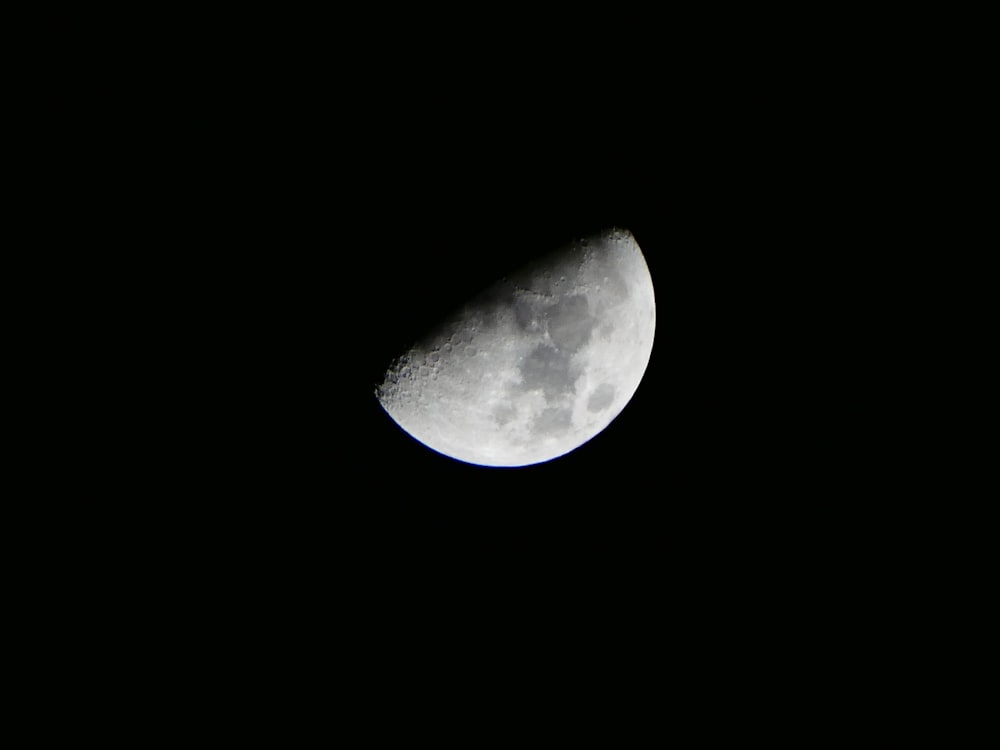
x: 536, y: 366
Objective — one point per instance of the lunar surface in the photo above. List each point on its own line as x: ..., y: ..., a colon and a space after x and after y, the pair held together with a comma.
x: 535, y: 366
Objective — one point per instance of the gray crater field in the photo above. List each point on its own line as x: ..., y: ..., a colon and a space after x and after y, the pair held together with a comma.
x: 535, y: 366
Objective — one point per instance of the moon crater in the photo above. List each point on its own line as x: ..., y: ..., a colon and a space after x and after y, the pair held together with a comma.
x: 553, y: 421
x: 601, y: 398
x: 569, y: 322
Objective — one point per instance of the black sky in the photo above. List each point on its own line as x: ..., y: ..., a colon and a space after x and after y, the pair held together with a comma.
x: 438, y: 216
x: 344, y: 201
x: 307, y: 205
x: 272, y: 208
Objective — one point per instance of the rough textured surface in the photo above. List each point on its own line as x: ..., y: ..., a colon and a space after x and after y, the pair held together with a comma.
x: 535, y: 366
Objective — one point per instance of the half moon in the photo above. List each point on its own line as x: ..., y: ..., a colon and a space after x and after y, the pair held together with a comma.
x: 535, y: 366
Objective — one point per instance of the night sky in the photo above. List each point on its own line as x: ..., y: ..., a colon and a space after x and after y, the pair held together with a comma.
x: 342, y: 213
x: 299, y: 208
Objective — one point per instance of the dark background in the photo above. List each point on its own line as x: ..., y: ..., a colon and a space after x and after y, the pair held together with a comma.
x: 425, y: 188
x: 251, y: 215
x: 280, y: 207
x: 300, y: 203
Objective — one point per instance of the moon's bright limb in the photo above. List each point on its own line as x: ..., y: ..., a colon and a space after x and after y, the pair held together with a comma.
x: 537, y: 365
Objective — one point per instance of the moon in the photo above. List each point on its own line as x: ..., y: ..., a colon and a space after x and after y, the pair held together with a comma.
x: 535, y: 366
